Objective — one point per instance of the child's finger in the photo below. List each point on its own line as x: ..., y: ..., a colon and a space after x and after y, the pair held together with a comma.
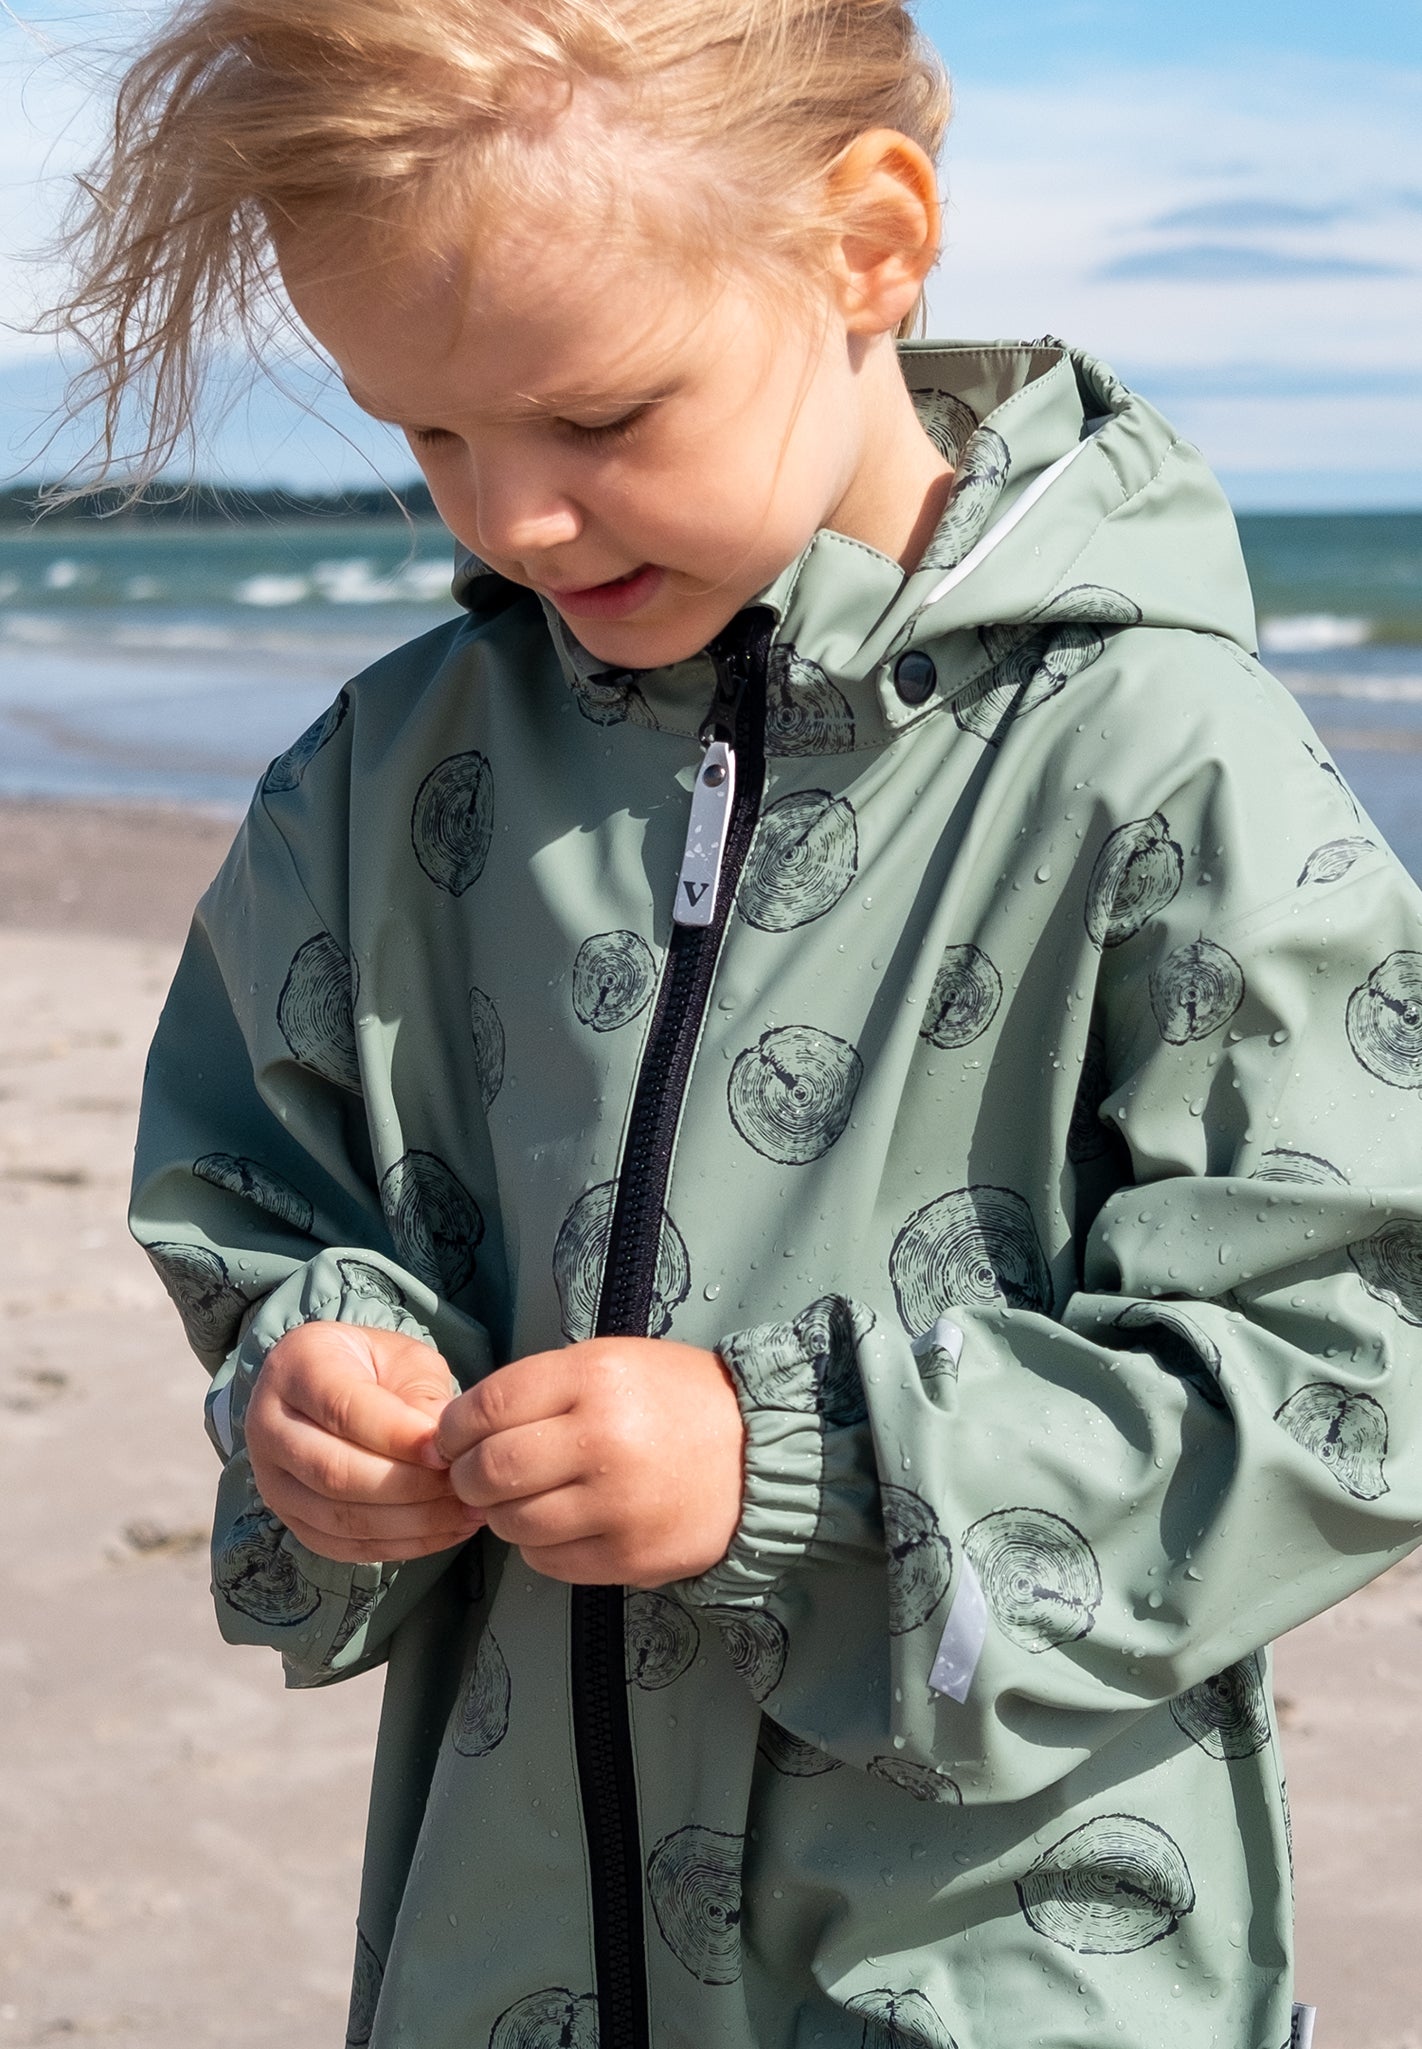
x: 531, y: 1390
x: 359, y: 1410
x: 529, y: 1458
x: 567, y: 1516
x: 343, y: 1470
x: 320, y: 1519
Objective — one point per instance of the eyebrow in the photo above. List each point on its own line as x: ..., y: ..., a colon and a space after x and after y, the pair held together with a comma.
x: 551, y: 405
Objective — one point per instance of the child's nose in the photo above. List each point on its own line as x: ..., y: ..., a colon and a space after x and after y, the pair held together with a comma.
x: 524, y: 521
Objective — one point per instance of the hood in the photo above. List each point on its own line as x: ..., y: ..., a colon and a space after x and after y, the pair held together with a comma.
x: 1075, y: 502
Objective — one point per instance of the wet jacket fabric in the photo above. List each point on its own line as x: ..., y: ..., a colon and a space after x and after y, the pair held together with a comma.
x: 1036, y: 1132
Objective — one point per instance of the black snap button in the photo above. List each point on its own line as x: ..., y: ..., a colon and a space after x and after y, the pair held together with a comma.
x: 915, y: 677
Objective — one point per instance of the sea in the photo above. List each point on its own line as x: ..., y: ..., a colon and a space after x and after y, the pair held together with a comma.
x: 166, y: 663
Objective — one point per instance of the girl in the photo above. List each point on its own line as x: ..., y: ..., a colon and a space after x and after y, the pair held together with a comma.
x: 844, y: 1009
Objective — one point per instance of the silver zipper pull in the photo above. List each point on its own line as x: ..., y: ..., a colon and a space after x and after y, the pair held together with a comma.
x: 711, y: 799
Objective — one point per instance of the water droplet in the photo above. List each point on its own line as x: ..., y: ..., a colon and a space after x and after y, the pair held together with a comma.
x: 711, y: 1290
x: 1044, y: 873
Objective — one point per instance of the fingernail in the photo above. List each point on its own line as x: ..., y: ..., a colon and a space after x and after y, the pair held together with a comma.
x: 433, y: 1457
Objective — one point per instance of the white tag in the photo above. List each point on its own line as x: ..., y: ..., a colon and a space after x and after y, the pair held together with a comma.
x: 939, y: 1350
x: 1302, y: 2034
x: 711, y: 801
x: 961, y: 1644
x: 219, y: 1414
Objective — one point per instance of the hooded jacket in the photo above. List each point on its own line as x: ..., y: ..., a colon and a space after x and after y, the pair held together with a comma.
x: 1034, y: 1128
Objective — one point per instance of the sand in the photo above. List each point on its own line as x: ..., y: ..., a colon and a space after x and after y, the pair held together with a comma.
x: 181, y: 1836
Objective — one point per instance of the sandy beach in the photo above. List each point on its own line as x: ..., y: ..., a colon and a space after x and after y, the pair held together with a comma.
x: 182, y: 1837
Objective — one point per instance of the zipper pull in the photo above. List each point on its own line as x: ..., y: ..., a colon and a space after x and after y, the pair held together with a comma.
x: 711, y: 800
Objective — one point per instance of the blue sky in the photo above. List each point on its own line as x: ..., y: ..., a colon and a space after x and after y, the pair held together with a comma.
x: 1224, y: 200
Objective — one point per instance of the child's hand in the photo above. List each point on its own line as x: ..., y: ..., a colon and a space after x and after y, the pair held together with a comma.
x: 614, y: 1463
x: 340, y: 1430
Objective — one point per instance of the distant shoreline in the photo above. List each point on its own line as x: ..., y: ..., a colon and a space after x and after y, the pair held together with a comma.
x: 177, y: 505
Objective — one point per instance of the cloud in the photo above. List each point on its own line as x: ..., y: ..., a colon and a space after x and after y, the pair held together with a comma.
x: 1250, y: 215
x: 1227, y: 263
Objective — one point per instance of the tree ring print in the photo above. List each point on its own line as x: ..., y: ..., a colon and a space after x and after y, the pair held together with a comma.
x: 371, y: 1282
x: 1030, y: 665
x: 366, y: 1978
x: 487, y: 1031
x: 612, y: 698
x: 1286, y: 1163
x: 613, y: 979
x: 973, y: 1245
x: 1330, y: 769
x: 555, y: 2019
x: 899, y: 2020
x: 967, y: 995
x: 920, y: 1558
x: 580, y: 1254
x: 1195, y: 991
x: 1039, y: 1575
x: 360, y: 1606
x: 949, y: 422
x: 1114, y: 1885
x: 483, y: 1720
x: 434, y: 1220
x: 804, y: 856
x: 288, y: 769
x: 756, y: 1644
x: 1178, y: 1344
x: 805, y: 713
x: 1138, y: 873
x: 1385, y: 1021
x: 255, y: 1573
x: 1088, y: 1136
x: 202, y: 1291
x: 770, y: 1363
x: 790, y: 1755
x: 452, y: 823
x: 979, y: 482
x: 316, y: 1012
x: 1228, y: 1715
x: 920, y: 1781
x: 256, y: 1184
x: 791, y: 1095
x: 694, y: 1878
x: 1332, y: 861
x: 1345, y: 1431
x: 661, y: 1640
x: 1092, y: 603
x: 1389, y: 1264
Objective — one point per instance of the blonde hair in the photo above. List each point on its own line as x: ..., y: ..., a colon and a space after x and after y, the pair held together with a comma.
x: 416, y: 118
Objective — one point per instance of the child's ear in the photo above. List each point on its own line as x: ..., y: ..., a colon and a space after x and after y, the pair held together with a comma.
x: 885, y: 190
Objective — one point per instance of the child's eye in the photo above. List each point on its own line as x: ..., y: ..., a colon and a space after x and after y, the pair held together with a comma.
x: 606, y: 430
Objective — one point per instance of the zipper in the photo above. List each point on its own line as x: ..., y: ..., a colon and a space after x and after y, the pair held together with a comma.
x: 718, y: 840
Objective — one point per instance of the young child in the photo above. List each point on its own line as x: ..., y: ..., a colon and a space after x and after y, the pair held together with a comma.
x: 837, y: 1002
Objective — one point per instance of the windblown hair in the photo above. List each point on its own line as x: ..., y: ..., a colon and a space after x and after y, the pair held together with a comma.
x: 425, y: 119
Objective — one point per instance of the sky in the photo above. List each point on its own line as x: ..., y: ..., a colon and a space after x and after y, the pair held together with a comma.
x: 1224, y: 201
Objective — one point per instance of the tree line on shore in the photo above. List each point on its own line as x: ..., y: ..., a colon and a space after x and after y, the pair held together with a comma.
x: 200, y: 504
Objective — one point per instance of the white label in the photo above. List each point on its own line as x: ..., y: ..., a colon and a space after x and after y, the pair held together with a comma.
x: 711, y: 802
x: 1302, y: 2035
x: 961, y: 1644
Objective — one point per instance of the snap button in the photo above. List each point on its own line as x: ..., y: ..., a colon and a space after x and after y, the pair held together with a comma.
x: 915, y: 677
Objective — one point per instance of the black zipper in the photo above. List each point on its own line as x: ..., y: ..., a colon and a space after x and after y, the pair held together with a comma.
x: 602, y: 1729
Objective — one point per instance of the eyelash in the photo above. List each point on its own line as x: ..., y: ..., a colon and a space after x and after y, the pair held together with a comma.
x: 606, y: 435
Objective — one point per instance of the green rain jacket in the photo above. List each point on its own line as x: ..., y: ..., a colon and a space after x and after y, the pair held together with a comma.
x: 1035, y: 1129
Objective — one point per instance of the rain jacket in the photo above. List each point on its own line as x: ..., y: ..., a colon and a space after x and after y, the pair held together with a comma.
x: 1034, y: 1128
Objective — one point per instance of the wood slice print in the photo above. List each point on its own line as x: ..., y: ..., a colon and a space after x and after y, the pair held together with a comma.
x: 1114, y: 1885
x: 1332, y: 861
x: 1092, y: 602
x: 792, y: 1094
x: 1385, y: 1021
x: 949, y: 422
x: 978, y: 484
x: 360, y: 1606
x: 1389, y: 1265
x: 1346, y: 1431
x: 1039, y: 1575
x: 804, y: 856
x: 1228, y: 1715
x: 487, y: 1031
x: 899, y: 2020
x: 580, y: 1254
x: 202, y: 1291
x: 1330, y: 769
x: 1138, y: 873
x: 1287, y: 1163
x: 316, y: 1011
x: 967, y: 995
x: 435, y: 1222
x: 1088, y: 1136
x: 756, y: 1644
x: 694, y: 1879
x: 1030, y: 664
x: 771, y: 1363
x: 613, y: 698
x: 920, y: 1781
x: 920, y: 1558
x: 361, y: 1278
x: 973, y: 1245
x: 255, y: 1573
x: 452, y: 823
x: 288, y: 769
x: 1177, y: 1343
x: 555, y: 2019
x: 259, y: 1185
x: 1195, y: 991
x: 790, y: 1755
x: 366, y: 1980
x: 483, y: 1719
x: 805, y: 713
x: 614, y: 976
x: 661, y: 1640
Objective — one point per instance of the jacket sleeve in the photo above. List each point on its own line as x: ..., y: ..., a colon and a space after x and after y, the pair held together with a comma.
x: 969, y: 1561
x: 256, y: 1199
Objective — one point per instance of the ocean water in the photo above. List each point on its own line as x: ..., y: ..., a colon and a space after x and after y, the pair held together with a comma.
x: 156, y: 663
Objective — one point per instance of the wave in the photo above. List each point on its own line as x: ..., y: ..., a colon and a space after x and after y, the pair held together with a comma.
x: 1312, y: 633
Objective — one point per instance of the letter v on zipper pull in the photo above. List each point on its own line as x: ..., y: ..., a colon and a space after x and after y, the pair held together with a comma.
x: 711, y: 800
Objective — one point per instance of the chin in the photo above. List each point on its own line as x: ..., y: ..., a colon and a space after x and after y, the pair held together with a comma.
x: 655, y: 644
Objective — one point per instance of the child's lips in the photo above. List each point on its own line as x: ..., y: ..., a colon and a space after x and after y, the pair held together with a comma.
x: 614, y: 600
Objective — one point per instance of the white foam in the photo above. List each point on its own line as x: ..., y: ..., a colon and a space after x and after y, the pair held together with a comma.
x: 272, y: 590
x: 1312, y: 633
